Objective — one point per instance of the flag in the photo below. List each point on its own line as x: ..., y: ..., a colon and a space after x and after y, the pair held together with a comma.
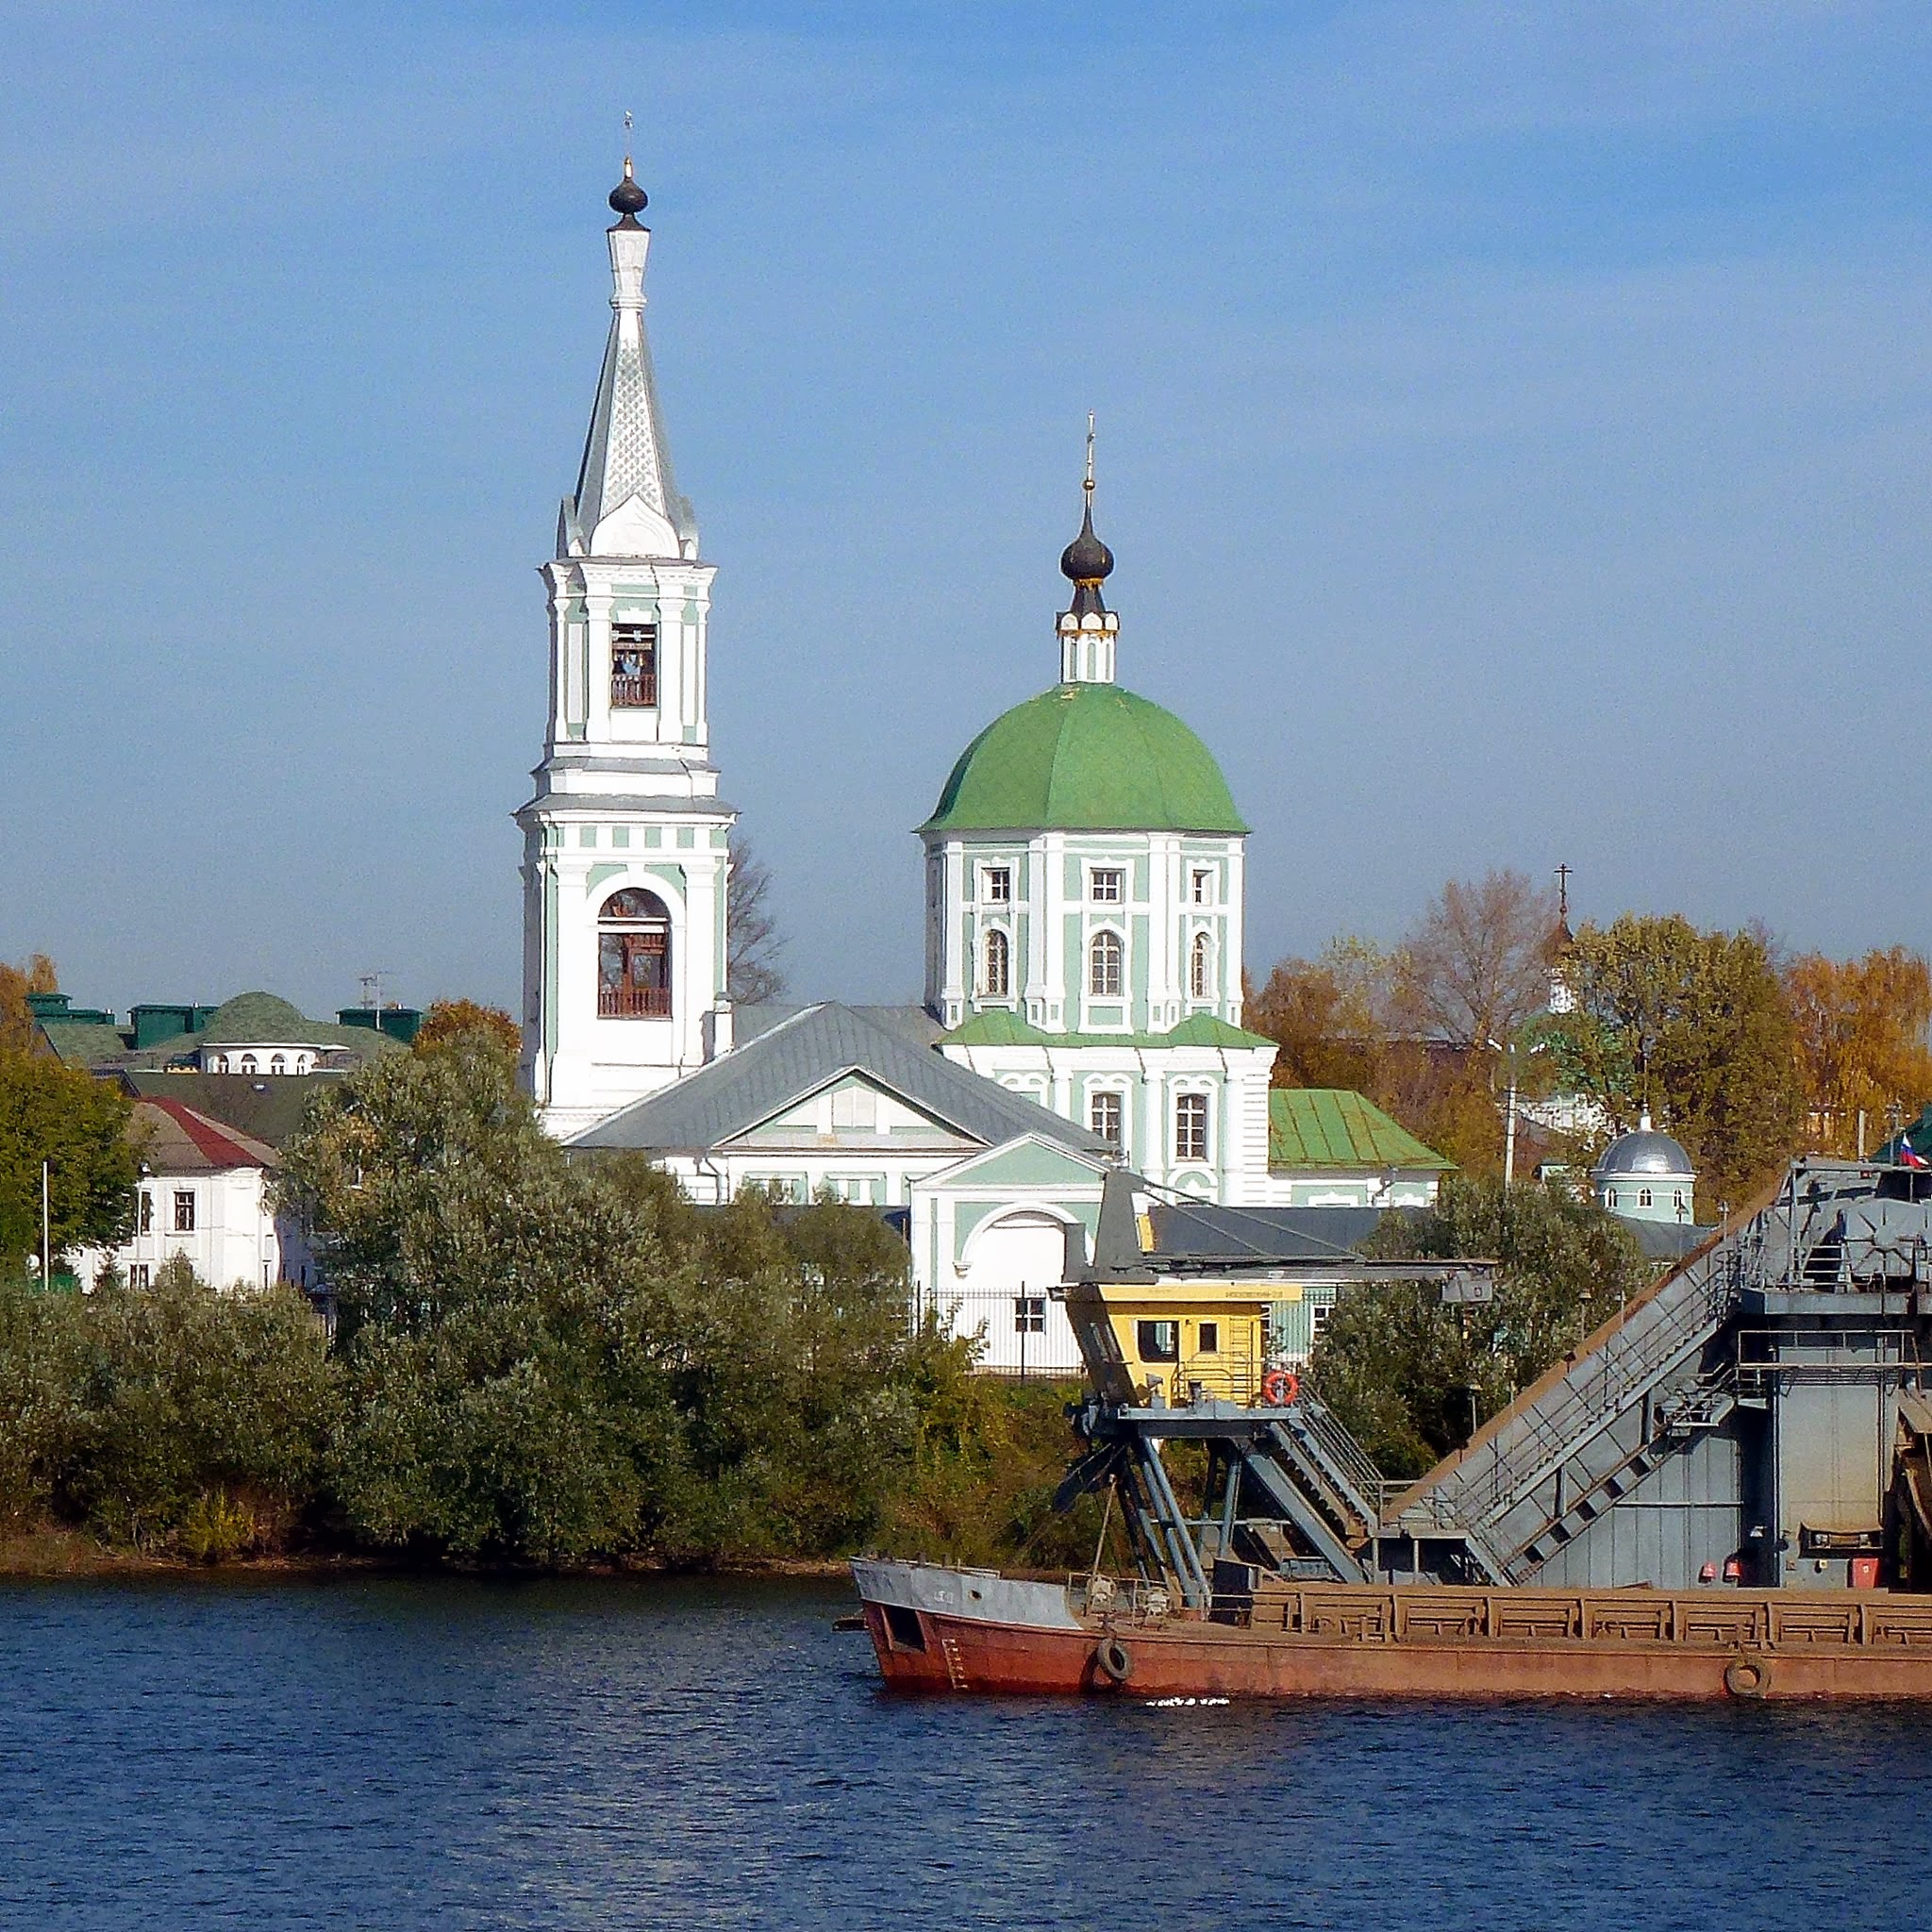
x: 1908, y: 1155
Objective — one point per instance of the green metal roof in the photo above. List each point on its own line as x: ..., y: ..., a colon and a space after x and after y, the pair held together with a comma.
x: 1086, y: 757
x: 1002, y: 1028
x: 1330, y: 1126
x: 82, y: 1043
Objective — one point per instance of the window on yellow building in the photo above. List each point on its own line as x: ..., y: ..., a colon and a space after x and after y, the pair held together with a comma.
x: 1158, y: 1342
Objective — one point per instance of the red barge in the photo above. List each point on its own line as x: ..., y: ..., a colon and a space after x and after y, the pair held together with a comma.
x: 1726, y: 1491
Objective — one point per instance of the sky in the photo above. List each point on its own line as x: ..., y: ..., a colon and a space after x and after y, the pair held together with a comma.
x: 1513, y: 425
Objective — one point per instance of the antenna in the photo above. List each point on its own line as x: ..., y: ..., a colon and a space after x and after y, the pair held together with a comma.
x: 370, y: 984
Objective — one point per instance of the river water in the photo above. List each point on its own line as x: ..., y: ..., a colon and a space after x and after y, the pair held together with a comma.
x: 393, y: 1753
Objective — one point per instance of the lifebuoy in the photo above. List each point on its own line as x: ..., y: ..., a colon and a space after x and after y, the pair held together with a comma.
x: 1280, y: 1387
x: 1747, y: 1677
x: 1114, y: 1659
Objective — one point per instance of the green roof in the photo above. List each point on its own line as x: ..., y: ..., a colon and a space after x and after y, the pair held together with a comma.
x: 1086, y: 757
x: 1330, y: 1126
x: 82, y: 1043
x: 1002, y: 1028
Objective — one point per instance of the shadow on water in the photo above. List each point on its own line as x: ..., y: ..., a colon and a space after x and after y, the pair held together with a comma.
x: 667, y: 1752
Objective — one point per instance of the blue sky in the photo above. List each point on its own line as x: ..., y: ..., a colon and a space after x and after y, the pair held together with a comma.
x: 1513, y: 419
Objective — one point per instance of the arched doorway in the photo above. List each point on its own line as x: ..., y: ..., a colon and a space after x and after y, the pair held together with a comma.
x: 633, y: 957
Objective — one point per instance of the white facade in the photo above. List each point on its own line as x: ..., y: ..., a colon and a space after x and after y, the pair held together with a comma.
x: 204, y: 1195
x: 625, y: 850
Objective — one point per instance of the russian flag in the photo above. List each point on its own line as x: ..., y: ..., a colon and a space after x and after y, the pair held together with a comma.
x: 1908, y: 1155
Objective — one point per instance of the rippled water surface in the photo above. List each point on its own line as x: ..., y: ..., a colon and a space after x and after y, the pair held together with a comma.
x: 398, y: 1754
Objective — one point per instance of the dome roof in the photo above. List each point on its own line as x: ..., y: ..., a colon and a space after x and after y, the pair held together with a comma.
x: 1086, y: 757
x: 1645, y: 1152
x: 1087, y: 559
x: 252, y: 1018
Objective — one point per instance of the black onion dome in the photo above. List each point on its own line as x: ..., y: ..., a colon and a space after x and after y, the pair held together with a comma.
x: 627, y: 198
x: 1087, y: 559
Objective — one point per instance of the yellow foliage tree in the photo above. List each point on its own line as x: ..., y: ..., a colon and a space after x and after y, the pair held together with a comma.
x: 1861, y: 1044
x: 16, y: 982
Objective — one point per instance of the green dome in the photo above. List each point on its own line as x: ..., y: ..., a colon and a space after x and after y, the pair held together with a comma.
x: 1086, y: 757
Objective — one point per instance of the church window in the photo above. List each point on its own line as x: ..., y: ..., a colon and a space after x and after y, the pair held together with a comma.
x: 184, y: 1211
x: 1204, y: 888
x: 1678, y: 1203
x: 1201, y: 967
x: 997, y: 978
x: 1190, y: 1127
x: 634, y: 956
x: 633, y: 666
x: 1104, y: 961
x: 1104, y: 1116
x: 999, y: 885
x: 1610, y: 1198
x: 1643, y: 1197
x: 1109, y: 881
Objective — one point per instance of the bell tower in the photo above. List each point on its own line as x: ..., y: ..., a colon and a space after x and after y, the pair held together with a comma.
x: 625, y: 856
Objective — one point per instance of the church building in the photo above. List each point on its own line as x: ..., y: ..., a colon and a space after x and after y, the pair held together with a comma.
x: 1085, y: 868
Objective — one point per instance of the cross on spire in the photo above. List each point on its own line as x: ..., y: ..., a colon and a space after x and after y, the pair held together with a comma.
x: 1564, y: 894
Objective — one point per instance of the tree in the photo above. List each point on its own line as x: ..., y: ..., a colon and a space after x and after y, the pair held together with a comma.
x: 752, y: 941
x: 448, y: 1020
x: 1860, y: 1033
x: 16, y: 982
x: 1694, y: 1026
x: 1413, y: 1379
x: 79, y: 1126
x: 1475, y: 967
x: 1329, y: 1016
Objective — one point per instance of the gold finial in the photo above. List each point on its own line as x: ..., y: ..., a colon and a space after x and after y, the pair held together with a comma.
x: 1088, y: 486
x: 627, y: 143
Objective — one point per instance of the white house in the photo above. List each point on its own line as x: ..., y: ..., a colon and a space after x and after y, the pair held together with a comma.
x: 203, y: 1195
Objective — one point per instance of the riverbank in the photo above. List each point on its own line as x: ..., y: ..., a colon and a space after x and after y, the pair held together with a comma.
x: 56, y: 1554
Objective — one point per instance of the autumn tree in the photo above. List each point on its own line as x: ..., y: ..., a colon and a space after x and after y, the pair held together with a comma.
x: 448, y: 1020
x: 1860, y: 1027
x: 16, y: 982
x: 1328, y: 1016
x: 1694, y: 1026
x: 1475, y: 967
x: 752, y: 939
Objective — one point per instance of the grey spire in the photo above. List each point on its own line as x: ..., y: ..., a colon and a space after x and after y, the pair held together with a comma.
x: 626, y: 502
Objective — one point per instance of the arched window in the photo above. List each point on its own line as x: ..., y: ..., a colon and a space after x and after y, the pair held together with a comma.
x: 997, y: 975
x: 248, y: 1063
x: 1643, y: 1197
x: 1104, y: 965
x: 1610, y: 1198
x: 1201, y: 967
x: 278, y: 1064
x: 634, y: 956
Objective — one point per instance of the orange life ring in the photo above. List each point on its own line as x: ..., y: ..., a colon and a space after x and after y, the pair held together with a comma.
x: 1280, y: 1388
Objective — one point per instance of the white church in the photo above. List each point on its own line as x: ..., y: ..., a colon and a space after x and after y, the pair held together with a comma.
x: 1084, y: 899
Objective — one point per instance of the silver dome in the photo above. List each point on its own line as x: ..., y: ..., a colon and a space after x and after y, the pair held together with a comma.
x: 1645, y: 1152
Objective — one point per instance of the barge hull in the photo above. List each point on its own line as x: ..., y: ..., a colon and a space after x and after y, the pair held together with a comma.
x: 1324, y: 1640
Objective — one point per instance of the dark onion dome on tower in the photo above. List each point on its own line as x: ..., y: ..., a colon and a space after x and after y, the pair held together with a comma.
x: 1087, y: 559
x: 627, y: 198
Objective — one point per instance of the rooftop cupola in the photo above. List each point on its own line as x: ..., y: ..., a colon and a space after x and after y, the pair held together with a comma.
x: 1087, y: 630
x: 627, y: 503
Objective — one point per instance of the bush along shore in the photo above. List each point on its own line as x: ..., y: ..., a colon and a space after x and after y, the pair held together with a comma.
x: 535, y: 1362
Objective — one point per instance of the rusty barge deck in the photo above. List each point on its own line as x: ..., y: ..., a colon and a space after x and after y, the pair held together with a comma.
x: 964, y: 1631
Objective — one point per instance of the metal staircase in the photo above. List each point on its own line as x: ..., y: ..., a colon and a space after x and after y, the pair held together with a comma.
x: 1593, y: 1428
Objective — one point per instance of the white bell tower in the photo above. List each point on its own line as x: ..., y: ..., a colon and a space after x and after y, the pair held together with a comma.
x: 625, y: 840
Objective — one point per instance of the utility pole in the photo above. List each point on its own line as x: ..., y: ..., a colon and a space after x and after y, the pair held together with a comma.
x: 1509, y: 1131
x: 47, y: 1223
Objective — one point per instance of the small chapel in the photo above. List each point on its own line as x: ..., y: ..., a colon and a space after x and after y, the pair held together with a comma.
x: 1085, y: 891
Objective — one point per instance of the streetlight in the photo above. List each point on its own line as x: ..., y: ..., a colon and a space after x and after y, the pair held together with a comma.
x: 1508, y: 1054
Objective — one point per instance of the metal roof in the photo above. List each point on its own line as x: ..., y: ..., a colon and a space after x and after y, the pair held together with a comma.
x: 1332, y: 1127
x: 269, y: 1106
x: 1646, y: 1152
x: 1086, y: 757
x: 175, y: 1139
x: 797, y: 1056
x: 1202, y: 1229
